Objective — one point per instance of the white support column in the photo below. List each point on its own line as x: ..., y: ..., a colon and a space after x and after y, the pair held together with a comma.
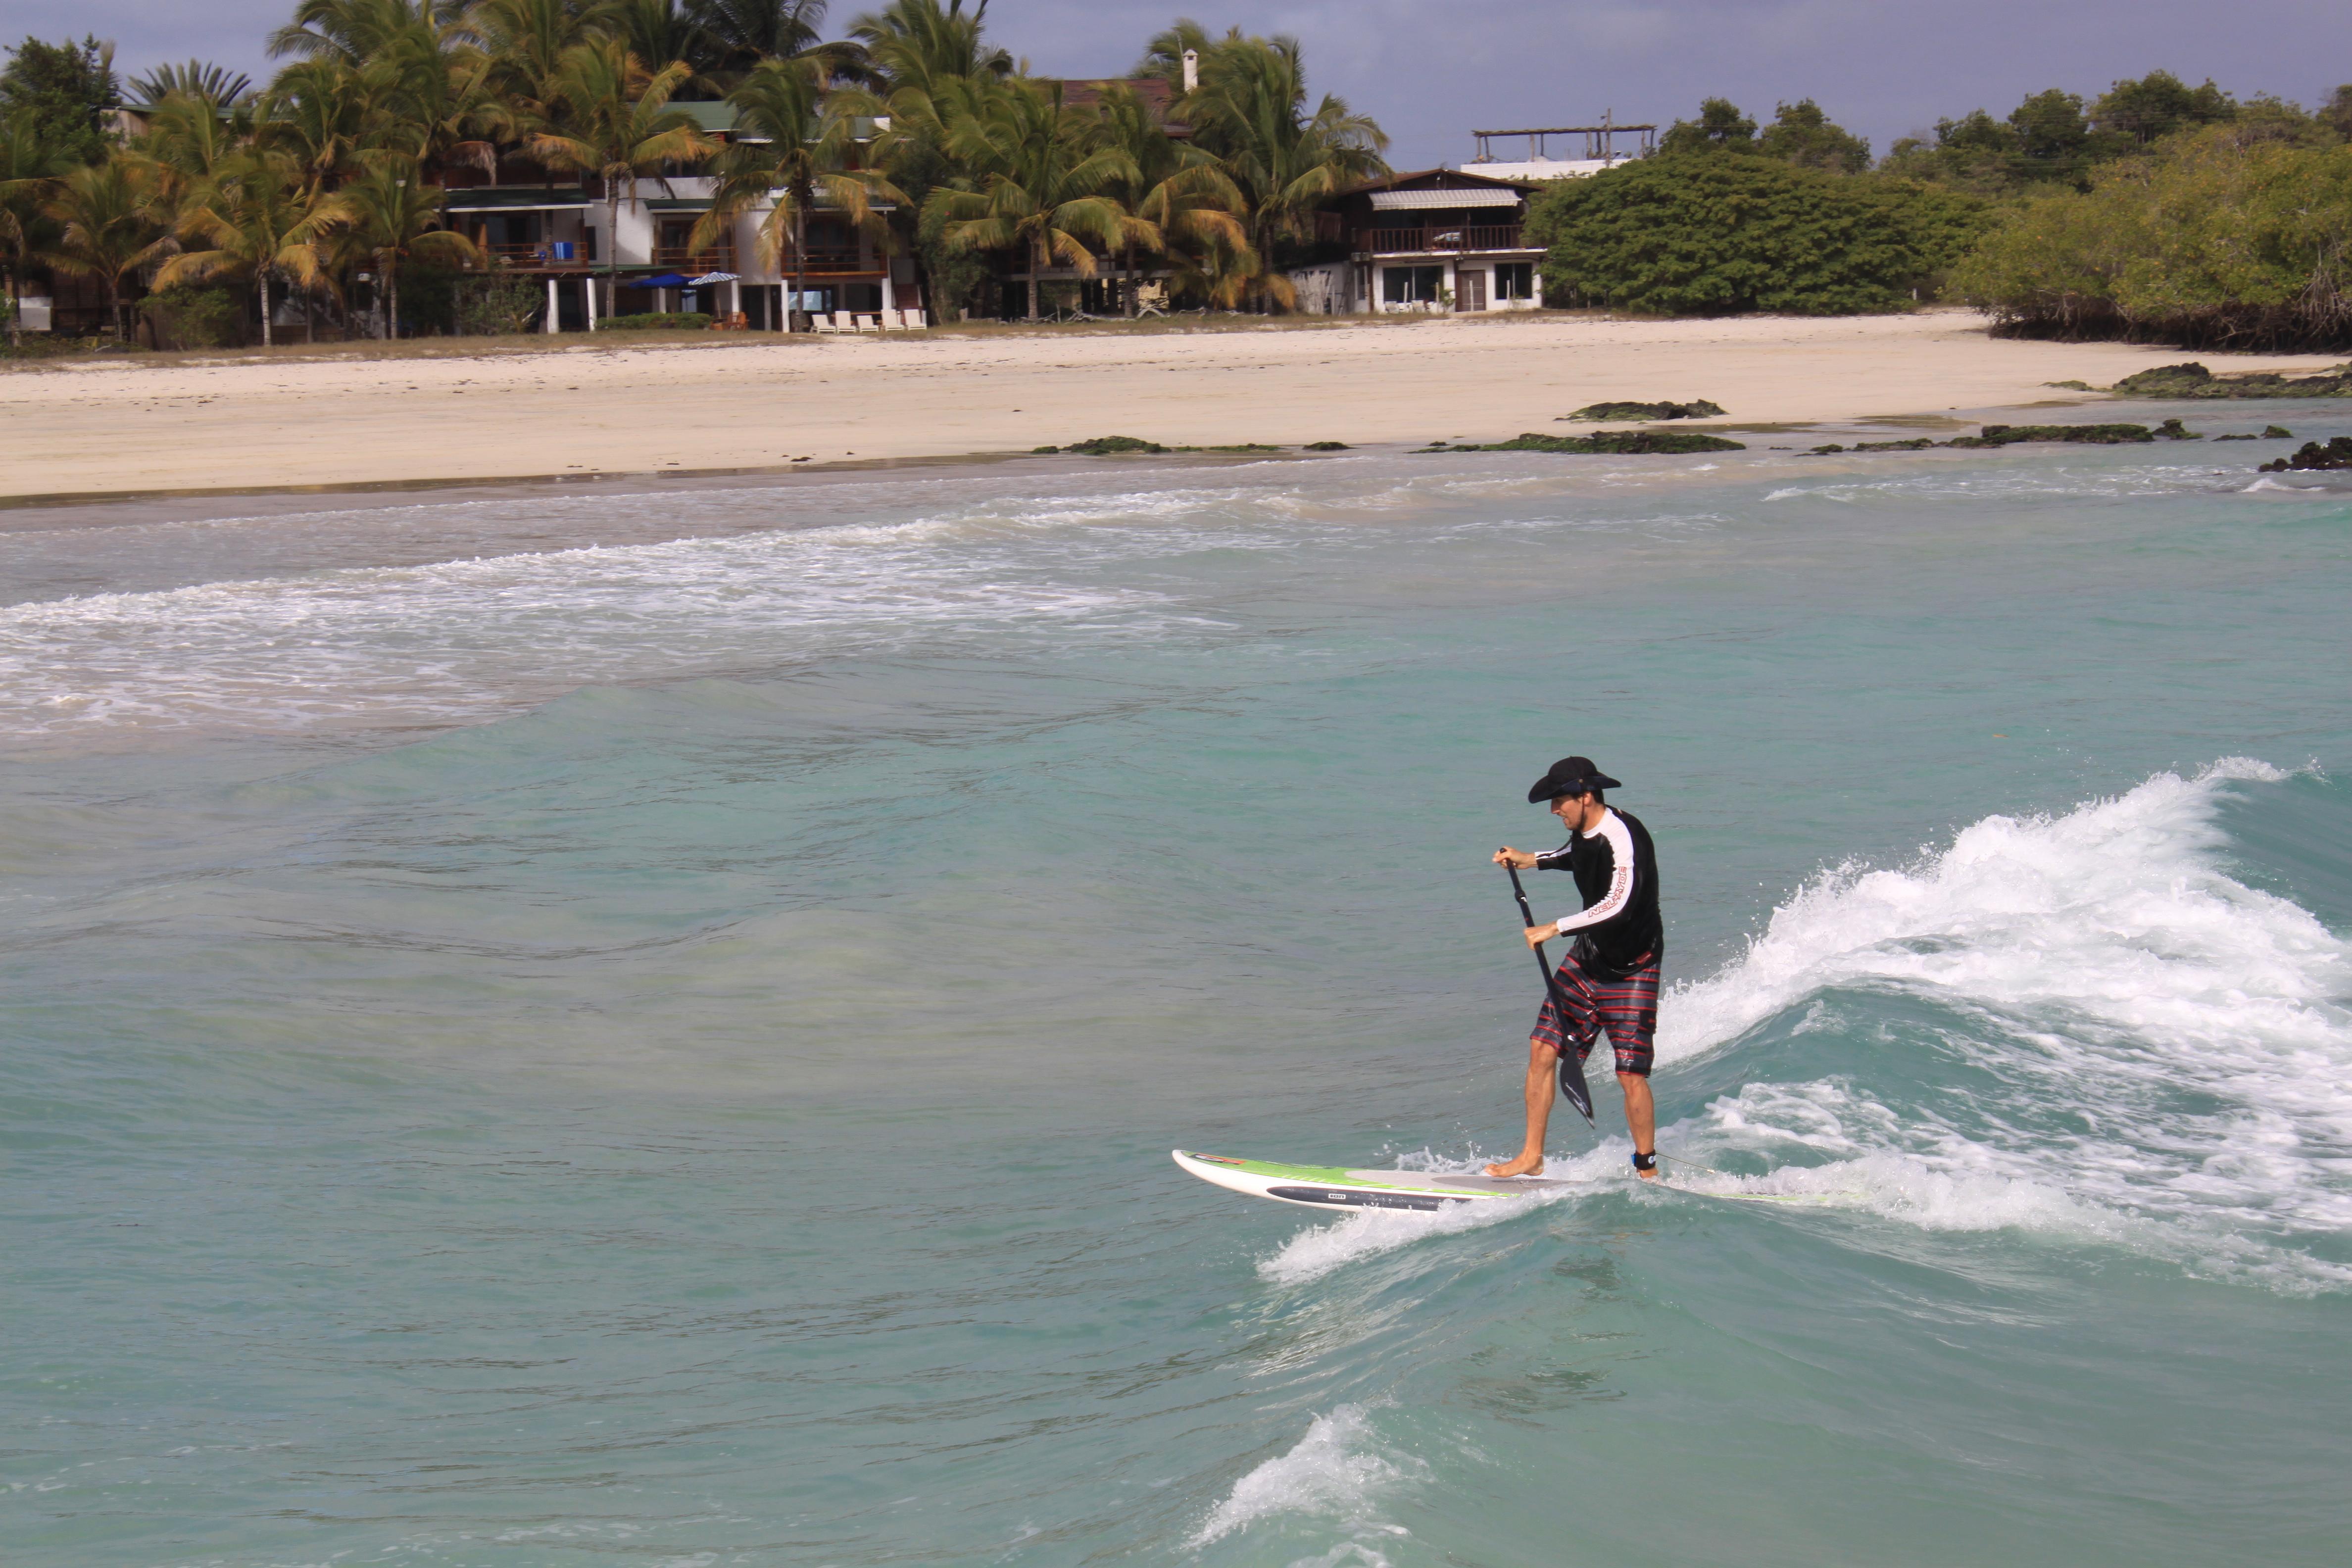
x: 734, y: 298
x: 549, y: 325
x: 890, y: 299
x: 588, y: 297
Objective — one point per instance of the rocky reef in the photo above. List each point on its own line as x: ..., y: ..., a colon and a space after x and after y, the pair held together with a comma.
x: 1617, y: 441
x: 1700, y: 409
x: 2336, y: 454
x: 2193, y: 380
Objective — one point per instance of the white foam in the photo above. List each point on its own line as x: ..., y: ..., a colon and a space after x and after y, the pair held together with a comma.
x: 1337, y: 1472
x: 2168, y: 1050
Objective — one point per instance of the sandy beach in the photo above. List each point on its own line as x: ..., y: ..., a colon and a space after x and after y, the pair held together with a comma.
x: 602, y: 406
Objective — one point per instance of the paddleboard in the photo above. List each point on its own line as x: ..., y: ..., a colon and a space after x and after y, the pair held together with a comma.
x: 1425, y: 1192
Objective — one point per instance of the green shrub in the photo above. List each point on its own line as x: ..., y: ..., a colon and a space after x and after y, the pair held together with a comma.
x: 196, y: 316
x: 1710, y: 235
x: 656, y: 321
x: 2213, y: 239
x: 500, y: 304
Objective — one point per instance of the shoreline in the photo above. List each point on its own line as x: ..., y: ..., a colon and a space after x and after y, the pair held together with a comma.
x: 121, y: 432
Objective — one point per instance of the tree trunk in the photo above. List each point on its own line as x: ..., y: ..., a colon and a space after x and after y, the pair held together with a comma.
x: 392, y: 305
x: 114, y: 289
x: 310, y: 313
x: 15, y: 311
x: 1036, y: 264
x: 1134, y: 286
x: 266, y: 342
x: 795, y: 306
x: 612, y: 241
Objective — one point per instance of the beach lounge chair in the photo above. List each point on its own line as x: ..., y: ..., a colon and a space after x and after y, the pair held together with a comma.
x: 866, y: 323
x: 826, y: 322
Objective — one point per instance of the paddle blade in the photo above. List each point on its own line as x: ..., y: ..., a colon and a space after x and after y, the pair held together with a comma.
x: 1571, y: 1084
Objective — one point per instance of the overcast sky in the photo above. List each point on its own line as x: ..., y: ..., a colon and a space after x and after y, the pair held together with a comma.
x: 1431, y: 73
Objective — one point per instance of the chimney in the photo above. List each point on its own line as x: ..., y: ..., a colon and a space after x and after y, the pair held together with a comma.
x: 1192, y: 70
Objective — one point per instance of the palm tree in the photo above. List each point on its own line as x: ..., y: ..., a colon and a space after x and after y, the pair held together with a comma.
x: 1180, y: 194
x: 618, y: 123
x: 259, y: 224
x: 1250, y: 110
x: 790, y: 144
x: 1043, y: 185
x: 30, y: 165
x: 322, y: 111
x: 525, y: 41
x: 740, y: 34
x: 393, y: 217
x: 354, y: 32
x: 660, y: 32
x: 105, y: 214
x: 920, y: 45
x: 220, y: 87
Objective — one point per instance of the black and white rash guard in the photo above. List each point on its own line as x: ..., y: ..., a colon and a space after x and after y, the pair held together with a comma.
x: 1619, y: 933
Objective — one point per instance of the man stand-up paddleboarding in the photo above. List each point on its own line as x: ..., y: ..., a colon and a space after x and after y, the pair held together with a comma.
x: 1609, y: 977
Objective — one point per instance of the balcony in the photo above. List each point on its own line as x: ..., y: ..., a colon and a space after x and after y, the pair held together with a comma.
x: 832, y: 263
x: 696, y: 259
x: 1438, y: 238
x: 542, y: 254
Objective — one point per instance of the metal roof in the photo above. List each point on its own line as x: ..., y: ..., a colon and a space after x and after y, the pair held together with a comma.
x: 1487, y: 197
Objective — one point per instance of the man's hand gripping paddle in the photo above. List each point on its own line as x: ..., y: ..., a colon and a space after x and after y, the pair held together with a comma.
x: 1571, y: 1070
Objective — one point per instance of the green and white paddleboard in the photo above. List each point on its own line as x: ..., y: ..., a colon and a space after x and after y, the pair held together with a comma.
x: 1336, y: 1187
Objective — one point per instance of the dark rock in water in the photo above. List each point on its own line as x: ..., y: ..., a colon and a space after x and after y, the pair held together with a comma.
x: 2237, y: 437
x: 2094, y: 435
x: 2193, y: 380
x: 2277, y: 433
x: 2188, y: 380
x: 2072, y: 386
x: 1107, y: 445
x: 1700, y: 409
x: 2173, y: 430
x: 2336, y: 454
x: 1326, y: 446
x: 1619, y: 441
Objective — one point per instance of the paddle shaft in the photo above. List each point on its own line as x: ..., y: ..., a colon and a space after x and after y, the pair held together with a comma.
x: 1568, y: 1064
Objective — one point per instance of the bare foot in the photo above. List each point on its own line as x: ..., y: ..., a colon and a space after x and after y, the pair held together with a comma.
x: 1525, y: 1165
x: 1650, y: 1176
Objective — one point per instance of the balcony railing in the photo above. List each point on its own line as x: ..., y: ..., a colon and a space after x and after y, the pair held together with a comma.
x: 1445, y: 237
x: 829, y: 263
x: 542, y: 254
x: 695, y: 258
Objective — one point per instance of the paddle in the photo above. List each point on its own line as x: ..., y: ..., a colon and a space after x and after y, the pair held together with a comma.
x: 1572, y: 1071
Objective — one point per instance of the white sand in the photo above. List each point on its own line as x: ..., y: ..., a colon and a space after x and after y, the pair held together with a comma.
x: 122, y: 425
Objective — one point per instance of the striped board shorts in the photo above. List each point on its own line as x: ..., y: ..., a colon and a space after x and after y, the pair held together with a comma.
x: 1628, y: 1009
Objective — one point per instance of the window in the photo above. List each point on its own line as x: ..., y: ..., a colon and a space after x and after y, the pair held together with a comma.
x: 1514, y: 280
x: 1411, y: 285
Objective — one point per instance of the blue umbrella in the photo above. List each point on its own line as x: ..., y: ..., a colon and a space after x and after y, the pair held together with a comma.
x: 664, y: 280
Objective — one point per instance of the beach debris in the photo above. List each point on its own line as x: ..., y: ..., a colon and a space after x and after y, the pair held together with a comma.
x: 1104, y: 446
x: 1327, y: 447
x: 2336, y: 454
x: 2191, y: 379
x: 1698, y: 409
x: 1600, y: 441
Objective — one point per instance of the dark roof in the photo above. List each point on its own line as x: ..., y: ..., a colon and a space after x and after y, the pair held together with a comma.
x: 1158, y: 95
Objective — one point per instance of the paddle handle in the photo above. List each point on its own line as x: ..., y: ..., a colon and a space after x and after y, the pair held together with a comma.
x: 1572, y: 1071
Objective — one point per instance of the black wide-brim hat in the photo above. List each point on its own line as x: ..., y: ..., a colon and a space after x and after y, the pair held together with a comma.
x: 1570, y: 775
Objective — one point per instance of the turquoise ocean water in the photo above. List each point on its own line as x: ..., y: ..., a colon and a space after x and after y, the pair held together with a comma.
x: 578, y: 1027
